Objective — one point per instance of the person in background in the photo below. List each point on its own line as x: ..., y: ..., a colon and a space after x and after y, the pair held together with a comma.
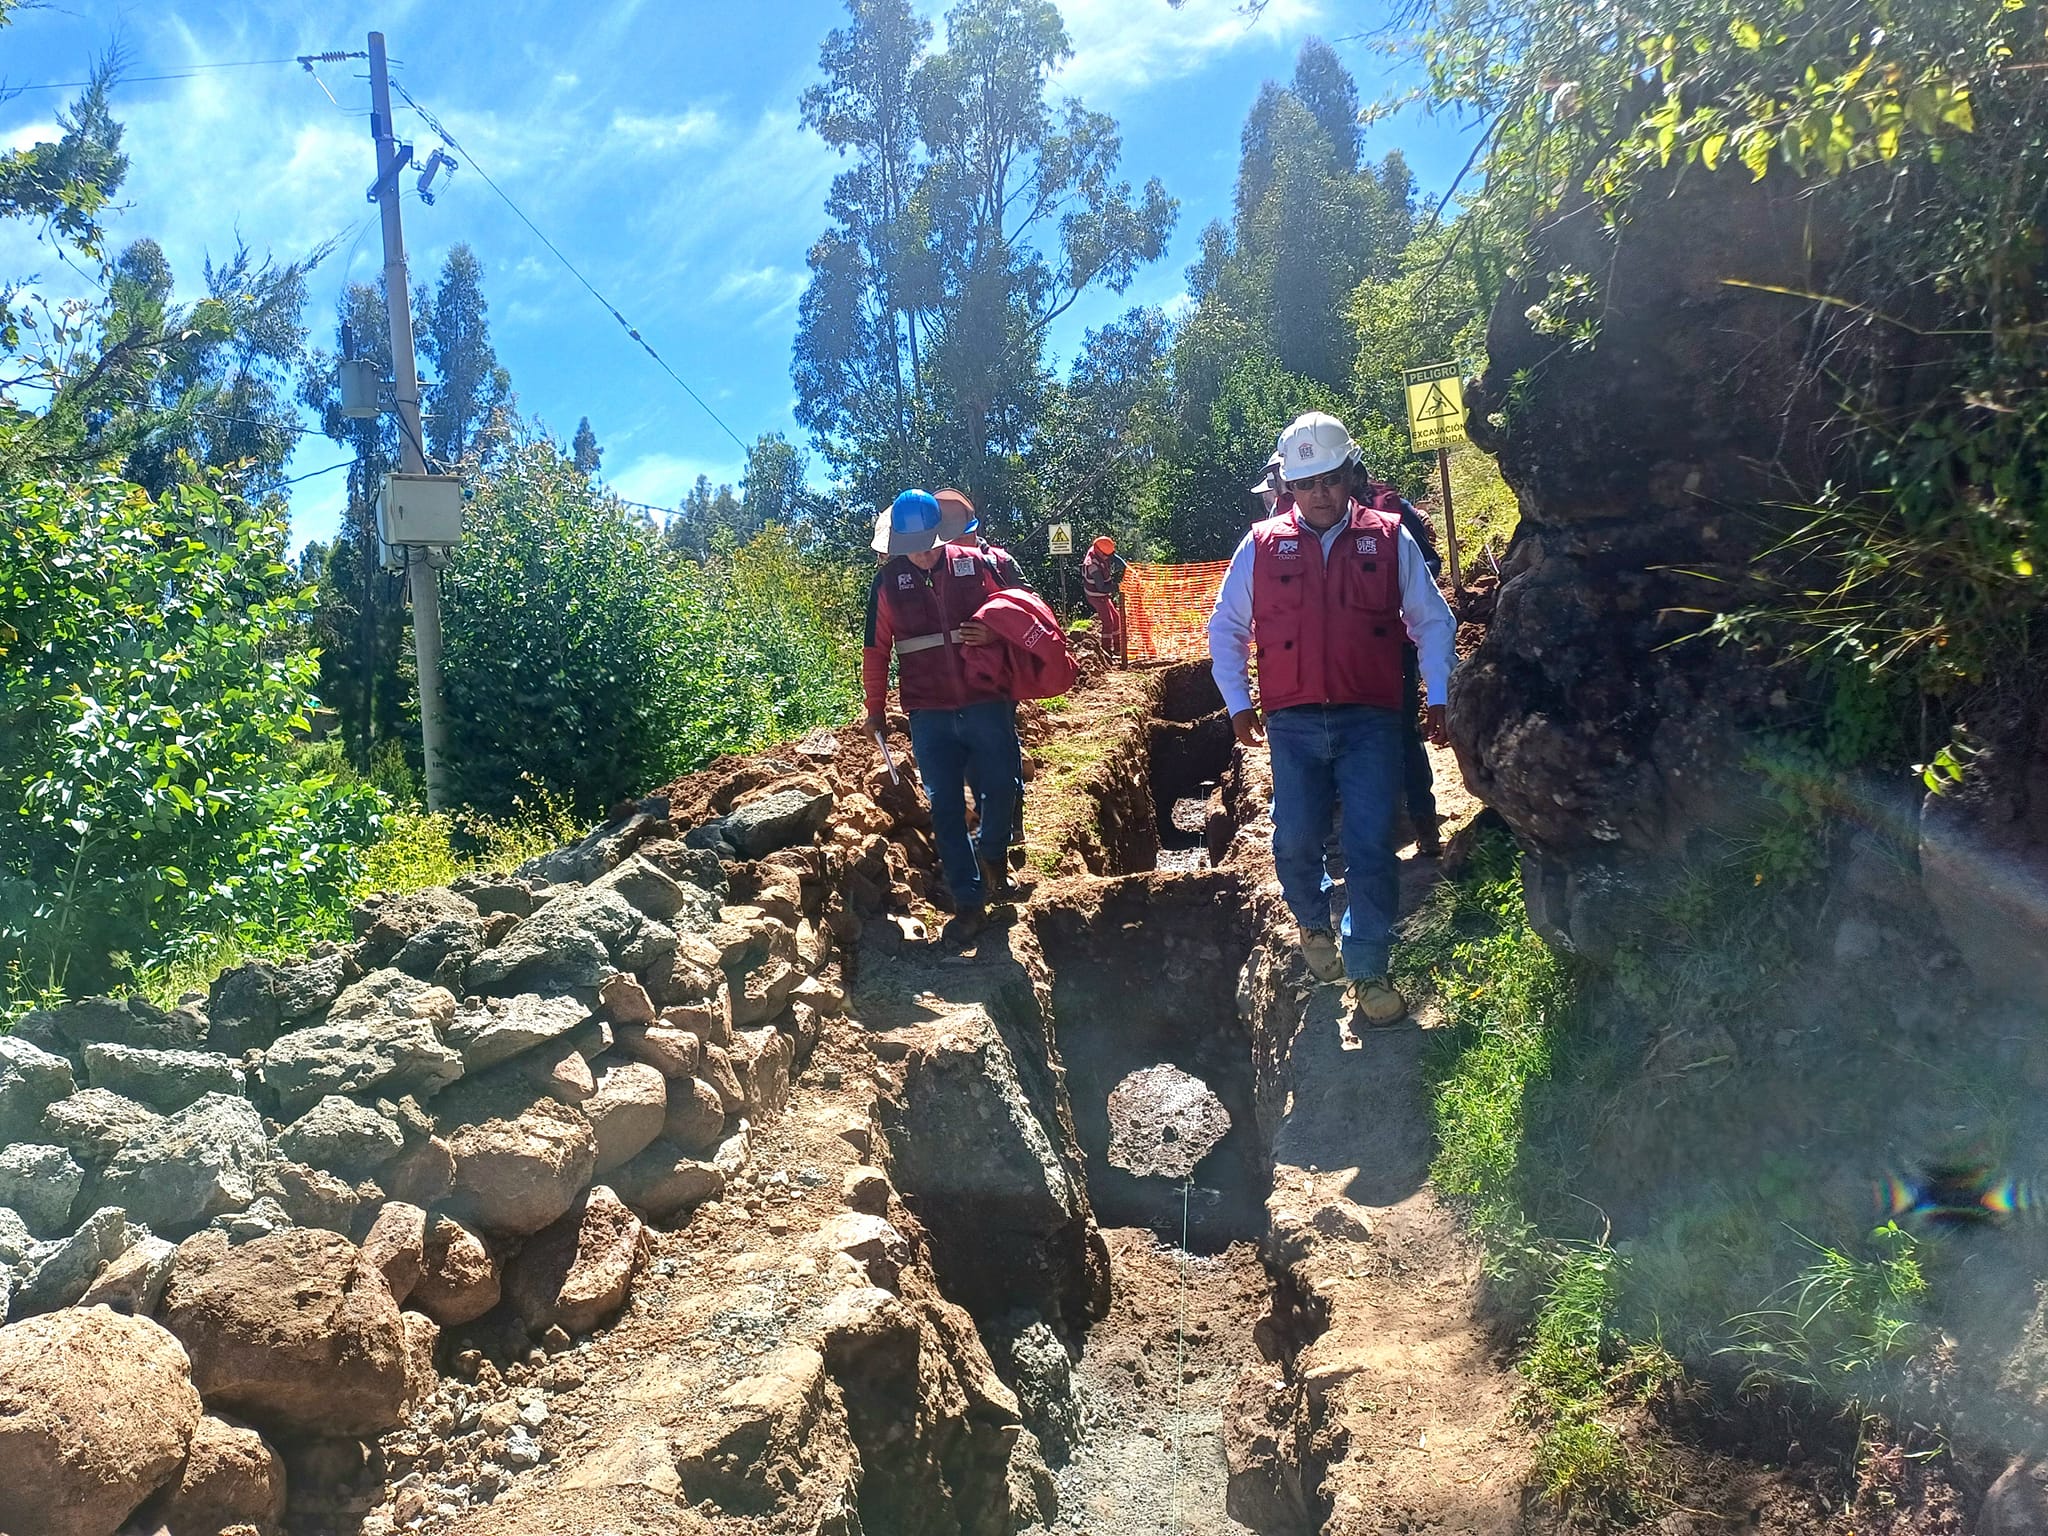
x: 1102, y: 573
x: 959, y: 512
x: 921, y: 611
x: 1268, y: 487
x: 1323, y: 591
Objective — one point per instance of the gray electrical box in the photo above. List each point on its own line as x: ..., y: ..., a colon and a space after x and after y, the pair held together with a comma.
x: 424, y: 510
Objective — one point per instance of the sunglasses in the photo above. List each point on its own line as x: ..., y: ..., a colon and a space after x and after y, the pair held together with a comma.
x: 1331, y: 478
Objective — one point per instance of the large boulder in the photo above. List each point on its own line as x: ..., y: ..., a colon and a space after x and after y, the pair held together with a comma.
x: 458, y: 1280
x: 680, y: 903
x: 311, y: 1197
x: 489, y: 1031
x: 93, y: 1124
x: 342, y: 1135
x: 248, y: 1006
x: 190, y: 1168
x: 296, y: 1331
x: 397, y: 1244
x: 40, y: 1182
x: 576, y: 940
x: 31, y: 1079
x: 381, y: 1036
x: 230, y: 1478
x: 164, y: 1080
x: 519, y: 1167
x: 575, y: 1273
x: 981, y: 1146
x: 97, y: 1411
x: 764, y: 1059
x: 626, y: 1111
x: 442, y: 952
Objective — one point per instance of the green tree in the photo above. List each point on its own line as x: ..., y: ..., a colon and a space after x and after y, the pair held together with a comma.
x: 149, y: 693
x: 469, y: 385
x: 584, y: 449
x: 975, y: 215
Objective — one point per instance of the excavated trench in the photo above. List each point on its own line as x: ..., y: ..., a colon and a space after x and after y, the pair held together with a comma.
x: 1143, y: 971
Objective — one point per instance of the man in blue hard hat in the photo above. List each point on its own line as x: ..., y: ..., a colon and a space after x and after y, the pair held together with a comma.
x: 921, y: 612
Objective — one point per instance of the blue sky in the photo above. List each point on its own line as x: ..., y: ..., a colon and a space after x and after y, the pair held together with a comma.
x: 658, y: 146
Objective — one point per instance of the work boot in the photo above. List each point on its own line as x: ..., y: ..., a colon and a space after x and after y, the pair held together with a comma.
x: 1429, y: 843
x: 1319, y: 949
x: 1000, y: 884
x: 963, y: 928
x: 1374, y: 999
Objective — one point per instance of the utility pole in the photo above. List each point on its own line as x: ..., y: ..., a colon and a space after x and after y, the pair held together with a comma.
x: 421, y: 582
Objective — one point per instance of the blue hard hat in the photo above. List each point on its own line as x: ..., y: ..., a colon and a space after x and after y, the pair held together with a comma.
x: 910, y: 524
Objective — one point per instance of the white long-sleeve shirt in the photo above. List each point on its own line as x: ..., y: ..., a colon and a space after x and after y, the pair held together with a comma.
x: 1424, y: 613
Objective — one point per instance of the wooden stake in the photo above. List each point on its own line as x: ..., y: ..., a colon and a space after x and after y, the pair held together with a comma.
x: 1443, y: 470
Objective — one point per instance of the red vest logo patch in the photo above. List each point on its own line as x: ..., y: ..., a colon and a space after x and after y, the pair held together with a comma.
x: 1288, y: 549
x: 1368, y: 545
x: 905, y: 581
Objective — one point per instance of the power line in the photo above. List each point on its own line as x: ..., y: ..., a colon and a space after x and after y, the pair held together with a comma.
x: 190, y: 72
x: 610, y: 308
x: 308, y: 475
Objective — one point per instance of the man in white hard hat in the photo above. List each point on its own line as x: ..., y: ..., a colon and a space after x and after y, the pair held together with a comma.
x: 1268, y: 486
x: 1324, y: 592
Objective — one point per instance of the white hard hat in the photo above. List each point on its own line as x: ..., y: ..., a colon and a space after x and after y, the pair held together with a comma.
x: 1265, y: 480
x: 1314, y: 444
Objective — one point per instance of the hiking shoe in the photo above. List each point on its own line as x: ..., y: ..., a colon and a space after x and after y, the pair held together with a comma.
x: 1319, y: 949
x: 963, y: 928
x: 1430, y: 847
x: 999, y: 884
x: 1374, y: 999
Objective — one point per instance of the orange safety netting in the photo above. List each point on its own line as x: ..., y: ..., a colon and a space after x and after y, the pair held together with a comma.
x: 1167, y: 608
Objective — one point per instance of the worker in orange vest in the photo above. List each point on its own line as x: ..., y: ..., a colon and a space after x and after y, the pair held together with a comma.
x: 1102, y: 572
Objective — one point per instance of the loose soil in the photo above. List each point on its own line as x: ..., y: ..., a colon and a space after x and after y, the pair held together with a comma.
x: 1152, y: 1459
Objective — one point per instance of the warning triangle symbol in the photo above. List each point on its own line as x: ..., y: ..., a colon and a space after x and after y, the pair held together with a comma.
x: 1436, y: 405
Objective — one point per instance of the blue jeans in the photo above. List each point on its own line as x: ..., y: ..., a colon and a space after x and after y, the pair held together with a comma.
x: 1319, y: 754
x: 952, y: 746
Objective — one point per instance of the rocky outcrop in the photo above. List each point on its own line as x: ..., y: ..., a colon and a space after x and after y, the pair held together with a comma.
x: 97, y: 1412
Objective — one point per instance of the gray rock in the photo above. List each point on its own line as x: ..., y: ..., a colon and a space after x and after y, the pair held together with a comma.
x: 599, y: 851
x: 1856, y: 940
x: 31, y: 1079
x: 694, y: 866
x: 40, y: 1182
x: 15, y: 1239
x: 342, y: 1135
x: 263, y: 1217
x: 497, y: 1029
x: 442, y: 953
x: 384, y: 993
x: 93, y: 1124
x: 199, y: 1162
x: 659, y: 894
x: 495, y: 893
x: 164, y: 1080
x: 70, y: 1267
x: 248, y: 1006
x: 371, y: 1049
x: 385, y: 924
x: 133, y: 1282
x: 113, y: 1020
x: 575, y: 940
x: 777, y: 821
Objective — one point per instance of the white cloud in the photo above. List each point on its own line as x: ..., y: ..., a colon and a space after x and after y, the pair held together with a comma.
x: 1122, y: 47
x: 664, y: 479
x: 656, y: 135
x: 771, y: 291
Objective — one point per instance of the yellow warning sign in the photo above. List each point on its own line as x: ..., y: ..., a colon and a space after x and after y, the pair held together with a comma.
x: 1059, y: 539
x: 1436, y: 407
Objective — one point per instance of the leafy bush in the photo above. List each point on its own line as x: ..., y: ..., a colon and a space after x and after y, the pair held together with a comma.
x: 149, y: 692
x: 586, y: 662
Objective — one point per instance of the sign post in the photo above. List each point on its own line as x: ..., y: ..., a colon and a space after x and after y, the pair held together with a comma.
x: 1059, y: 545
x: 1436, y: 420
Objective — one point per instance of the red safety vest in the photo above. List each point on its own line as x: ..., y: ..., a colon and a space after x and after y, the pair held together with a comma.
x: 1328, y: 632
x: 926, y: 610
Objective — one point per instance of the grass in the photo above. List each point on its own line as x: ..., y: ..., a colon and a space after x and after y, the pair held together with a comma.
x: 1060, y: 810
x: 1554, y: 1076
